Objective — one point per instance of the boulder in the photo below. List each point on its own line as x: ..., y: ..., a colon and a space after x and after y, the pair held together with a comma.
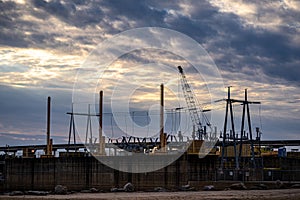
x: 238, y: 186
x: 94, y: 190
x: 85, y: 191
x: 117, y: 190
x: 159, y: 189
x: 186, y: 188
x: 209, y: 188
x: 128, y: 187
x: 16, y: 193
x: 114, y: 190
x: 295, y: 186
x: 59, y: 189
x: 37, y: 193
x: 279, y: 184
x: 262, y: 186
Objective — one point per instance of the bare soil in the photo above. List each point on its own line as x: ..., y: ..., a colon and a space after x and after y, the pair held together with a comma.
x: 283, y: 194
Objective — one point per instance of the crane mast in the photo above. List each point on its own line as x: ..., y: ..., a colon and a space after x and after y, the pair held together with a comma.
x: 193, y: 105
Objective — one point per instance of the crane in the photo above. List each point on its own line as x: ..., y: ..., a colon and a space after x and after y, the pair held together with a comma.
x: 193, y: 106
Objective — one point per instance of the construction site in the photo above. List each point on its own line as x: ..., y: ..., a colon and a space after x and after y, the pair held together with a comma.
x: 204, y: 158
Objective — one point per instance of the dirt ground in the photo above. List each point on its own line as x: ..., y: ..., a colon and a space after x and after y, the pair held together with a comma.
x: 286, y: 194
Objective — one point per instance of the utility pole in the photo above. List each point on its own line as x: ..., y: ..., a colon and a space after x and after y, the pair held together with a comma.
x: 49, y: 145
x: 246, y: 108
x: 163, y: 136
x: 101, y: 137
x: 246, y: 112
x: 71, y: 129
x: 229, y: 102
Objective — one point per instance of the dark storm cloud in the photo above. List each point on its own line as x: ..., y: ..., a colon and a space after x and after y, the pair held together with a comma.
x: 13, y: 27
x: 137, y: 11
x: 201, y: 21
x: 67, y: 11
x: 6, y: 15
x: 205, y: 23
x: 267, y: 43
x: 246, y: 45
x: 240, y: 45
x: 159, y: 14
x: 9, y: 34
x: 234, y: 45
x: 197, y: 23
x: 56, y: 8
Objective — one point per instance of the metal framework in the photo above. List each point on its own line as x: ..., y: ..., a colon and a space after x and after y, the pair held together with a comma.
x: 193, y: 105
x: 229, y: 102
x: 246, y: 108
x: 71, y: 129
x: 233, y: 136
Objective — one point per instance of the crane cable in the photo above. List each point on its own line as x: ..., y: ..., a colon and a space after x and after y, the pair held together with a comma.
x: 259, y: 110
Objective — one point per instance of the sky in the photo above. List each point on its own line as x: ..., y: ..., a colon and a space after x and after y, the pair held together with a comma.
x: 45, y: 44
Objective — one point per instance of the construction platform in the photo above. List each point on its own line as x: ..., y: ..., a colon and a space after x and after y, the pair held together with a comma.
x: 82, y: 170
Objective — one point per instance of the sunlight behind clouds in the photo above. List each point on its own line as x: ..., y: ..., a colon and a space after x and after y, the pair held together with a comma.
x: 16, y: 1
x: 241, y: 8
x: 265, y: 14
x: 34, y: 67
x: 255, y: 45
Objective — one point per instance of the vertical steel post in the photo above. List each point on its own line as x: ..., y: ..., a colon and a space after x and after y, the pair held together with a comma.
x: 224, y: 130
x: 250, y: 130
x: 101, y: 150
x: 233, y: 135
x: 48, y: 125
x: 242, y: 126
x: 162, y: 136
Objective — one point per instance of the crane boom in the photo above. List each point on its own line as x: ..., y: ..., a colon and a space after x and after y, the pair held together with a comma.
x: 192, y: 104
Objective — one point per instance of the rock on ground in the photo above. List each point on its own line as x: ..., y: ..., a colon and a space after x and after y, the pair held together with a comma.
x: 209, y: 188
x: 16, y: 193
x: 60, y: 189
x: 37, y: 193
x: 238, y: 186
x: 128, y: 187
x: 159, y: 189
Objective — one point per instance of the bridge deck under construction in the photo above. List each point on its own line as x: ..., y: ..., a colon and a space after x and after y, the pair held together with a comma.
x: 271, y: 143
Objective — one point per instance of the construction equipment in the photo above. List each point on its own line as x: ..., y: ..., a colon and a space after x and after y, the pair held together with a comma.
x: 194, y: 107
